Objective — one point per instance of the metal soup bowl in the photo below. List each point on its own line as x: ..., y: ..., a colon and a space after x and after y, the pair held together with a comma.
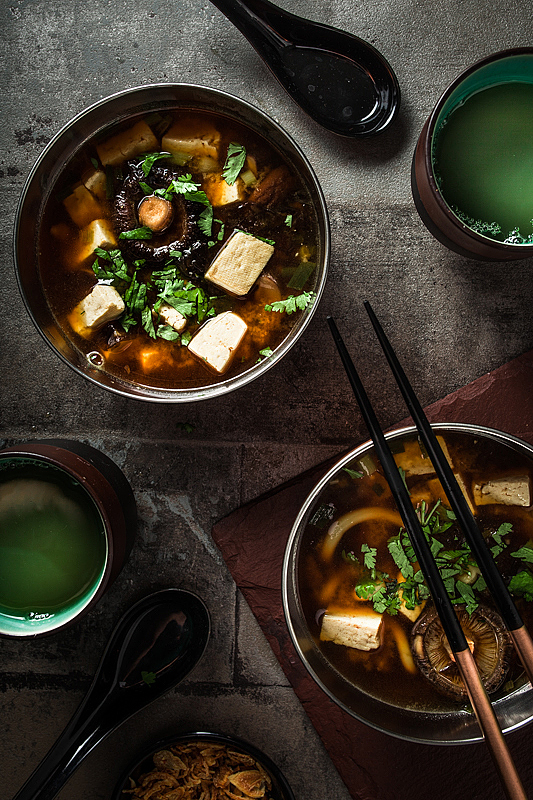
x: 68, y: 142
x: 455, y: 727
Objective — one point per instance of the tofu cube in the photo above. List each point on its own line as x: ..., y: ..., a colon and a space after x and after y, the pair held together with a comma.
x: 126, y: 144
x: 413, y: 462
x: 98, y: 233
x: 220, y: 193
x: 193, y: 137
x: 96, y: 182
x: 511, y: 491
x: 240, y: 262
x: 171, y: 317
x: 360, y: 631
x: 102, y: 304
x: 216, y: 341
x: 82, y: 206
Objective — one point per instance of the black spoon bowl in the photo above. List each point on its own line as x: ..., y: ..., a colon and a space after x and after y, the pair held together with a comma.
x: 341, y: 81
x: 154, y: 646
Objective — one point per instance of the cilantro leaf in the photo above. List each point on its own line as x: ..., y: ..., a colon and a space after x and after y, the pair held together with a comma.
x: 525, y: 553
x: 399, y: 556
x: 521, y: 585
x: 167, y: 332
x: 149, y: 160
x: 148, y: 677
x: 205, y: 220
x: 235, y: 159
x: 292, y: 304
x: 137, y: 233
x: 369, y: 556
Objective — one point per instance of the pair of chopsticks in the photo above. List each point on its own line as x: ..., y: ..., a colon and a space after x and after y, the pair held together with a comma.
x: 479, y: 700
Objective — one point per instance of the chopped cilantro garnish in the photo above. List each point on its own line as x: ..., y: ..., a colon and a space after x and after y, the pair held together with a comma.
x: 399, y: 556
x: 167, y: 332
x: 149, y: 160
x: 369, y: 556
x: 288, y: 220
x: 235, y: 159
x: 266, y: 352
x: 353, y: 473
x: 137, y: 233
x: 521, y: 585
x: 148, y: 677
x: 525, y: 553
x: 292, y: 304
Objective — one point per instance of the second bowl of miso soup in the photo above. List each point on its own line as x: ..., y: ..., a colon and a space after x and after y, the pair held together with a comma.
x: 358, y: 608
x: 172, y: 243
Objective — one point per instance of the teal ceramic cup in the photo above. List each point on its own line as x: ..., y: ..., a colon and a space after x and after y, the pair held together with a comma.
x: 472, y: 175
x: 67, y: 520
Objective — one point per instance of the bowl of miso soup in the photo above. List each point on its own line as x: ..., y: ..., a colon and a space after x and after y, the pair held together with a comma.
x: 172, y: 243
x: 472, y: 168
x: 357, y: 606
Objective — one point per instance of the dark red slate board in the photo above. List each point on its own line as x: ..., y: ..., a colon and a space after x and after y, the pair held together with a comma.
x: 373, y: 765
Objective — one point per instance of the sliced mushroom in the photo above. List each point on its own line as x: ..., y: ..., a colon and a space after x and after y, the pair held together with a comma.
x: 487, y: 637
x: 155, y: 213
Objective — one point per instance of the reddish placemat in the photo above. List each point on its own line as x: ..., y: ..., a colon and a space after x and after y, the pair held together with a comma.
x: 375, y: 766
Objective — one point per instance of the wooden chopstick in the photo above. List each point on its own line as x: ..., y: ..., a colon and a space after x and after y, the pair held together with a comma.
x: 464, y: 659
x: 495, y: 583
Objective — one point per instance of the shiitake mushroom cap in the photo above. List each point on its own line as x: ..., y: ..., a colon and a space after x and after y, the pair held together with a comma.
x: 492, y: 649
x: 182, y: 233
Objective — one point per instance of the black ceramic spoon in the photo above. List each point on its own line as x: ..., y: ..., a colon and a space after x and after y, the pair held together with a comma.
x: 341, y: 81
x: 153, y: 647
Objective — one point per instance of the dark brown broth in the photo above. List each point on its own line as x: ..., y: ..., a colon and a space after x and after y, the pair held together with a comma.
x: 380, y: 673
x: 65, y: 287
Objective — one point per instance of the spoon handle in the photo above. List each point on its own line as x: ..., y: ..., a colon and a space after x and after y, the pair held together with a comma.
x: 85, y: 730
x: 259, y: 21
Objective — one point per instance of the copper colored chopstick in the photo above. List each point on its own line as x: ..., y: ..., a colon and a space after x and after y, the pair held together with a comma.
x: 483, y: 709
x: 495, y: 583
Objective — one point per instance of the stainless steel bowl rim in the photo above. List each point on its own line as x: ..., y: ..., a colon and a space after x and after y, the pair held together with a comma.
x: 522, y: 695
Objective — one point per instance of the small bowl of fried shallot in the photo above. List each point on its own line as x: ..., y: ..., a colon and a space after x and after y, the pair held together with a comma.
x: 203, y: 764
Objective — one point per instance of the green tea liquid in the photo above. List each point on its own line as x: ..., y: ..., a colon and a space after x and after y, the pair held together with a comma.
x: 52, y: 543
x: 483, y: 161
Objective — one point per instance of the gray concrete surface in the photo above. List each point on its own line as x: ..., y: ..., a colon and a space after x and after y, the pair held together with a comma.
x: 450, y: 318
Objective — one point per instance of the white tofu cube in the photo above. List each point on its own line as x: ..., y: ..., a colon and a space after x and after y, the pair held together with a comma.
x: 511, y: 491
x: 82, y: 206
x: 360, y: 631
x: 98, y: 233
x: 220, y: 193
x: 126, y: 144
x: 413, y: 462
x: 171, y: 317
x: 102, y: 304
x: 240, y: 262
x: 193, y: 136
x: 216, y: 341
x: 96, y: 182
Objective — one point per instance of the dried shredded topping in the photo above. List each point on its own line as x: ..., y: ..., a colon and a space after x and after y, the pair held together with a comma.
x: 202, y: 771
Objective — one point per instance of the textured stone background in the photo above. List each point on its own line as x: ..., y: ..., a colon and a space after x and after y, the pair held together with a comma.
x: 450, y: 318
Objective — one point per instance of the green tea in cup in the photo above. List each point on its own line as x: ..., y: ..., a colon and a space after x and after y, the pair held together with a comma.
x: 53, y: 546
x: 483, y: 161
x: 472, y: 171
